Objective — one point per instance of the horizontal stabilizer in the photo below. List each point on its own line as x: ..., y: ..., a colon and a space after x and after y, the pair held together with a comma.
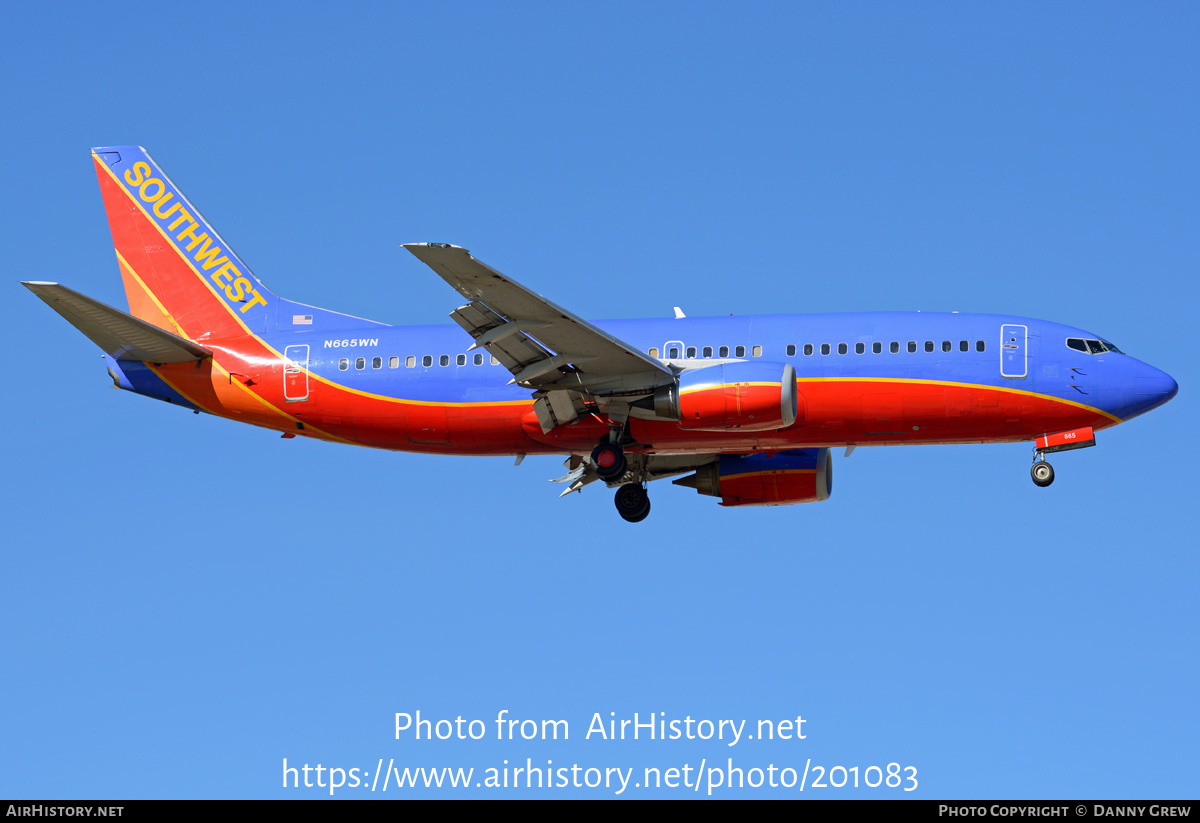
x: 120, y: 335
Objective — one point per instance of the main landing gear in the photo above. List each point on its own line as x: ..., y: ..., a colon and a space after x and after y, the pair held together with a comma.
x: 632, y: 502
x: 609, y: 459
x: 1042, y: 472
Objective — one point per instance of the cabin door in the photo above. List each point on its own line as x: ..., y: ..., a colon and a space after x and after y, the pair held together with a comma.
x: 295, y: 373
x: 1014, y: 343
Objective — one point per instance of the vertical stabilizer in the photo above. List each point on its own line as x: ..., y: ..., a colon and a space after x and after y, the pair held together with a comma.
x: 178, y: 273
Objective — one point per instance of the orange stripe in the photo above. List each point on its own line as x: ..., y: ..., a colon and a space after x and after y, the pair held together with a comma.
x: 255, y: 336
x: 223, y: 371
x: 799, y: 380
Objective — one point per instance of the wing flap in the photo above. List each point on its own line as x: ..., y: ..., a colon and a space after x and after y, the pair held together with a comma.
x: 120, y: 335
x: 514, y: 349
x: 534, y: 337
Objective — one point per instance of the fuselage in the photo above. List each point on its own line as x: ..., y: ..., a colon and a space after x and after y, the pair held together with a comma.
x: 871, y: 378
x: 751, y: 406
x: 702, y: 386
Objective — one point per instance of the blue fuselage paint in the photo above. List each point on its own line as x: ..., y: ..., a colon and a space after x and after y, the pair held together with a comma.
x: 343, y: 350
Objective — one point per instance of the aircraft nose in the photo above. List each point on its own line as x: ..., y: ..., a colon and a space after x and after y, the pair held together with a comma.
x: 1153, y: 386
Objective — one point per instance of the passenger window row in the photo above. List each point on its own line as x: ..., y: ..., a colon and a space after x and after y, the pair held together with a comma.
x: 411, y: 361
x: 893, y: 347
x: 689, y: 353
x: 722, y: 352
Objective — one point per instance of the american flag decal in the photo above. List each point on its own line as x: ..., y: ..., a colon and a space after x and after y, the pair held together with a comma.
x: 301, y: 319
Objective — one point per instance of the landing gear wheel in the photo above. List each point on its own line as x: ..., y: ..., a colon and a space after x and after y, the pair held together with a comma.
x: 1043, y: 473
x: 632, y: 502
x: 609, y: 459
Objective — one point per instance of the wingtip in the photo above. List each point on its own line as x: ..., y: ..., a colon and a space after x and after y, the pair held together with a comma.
x: 412, y: 247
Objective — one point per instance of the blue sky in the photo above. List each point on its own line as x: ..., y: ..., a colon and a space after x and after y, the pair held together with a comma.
x: 188, y: 601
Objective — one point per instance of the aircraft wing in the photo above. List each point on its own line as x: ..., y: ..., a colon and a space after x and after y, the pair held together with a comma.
x: 543, y: 345
x: 119, y: 334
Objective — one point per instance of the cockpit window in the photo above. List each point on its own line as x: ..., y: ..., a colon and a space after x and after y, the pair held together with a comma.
x: 1091, y: 346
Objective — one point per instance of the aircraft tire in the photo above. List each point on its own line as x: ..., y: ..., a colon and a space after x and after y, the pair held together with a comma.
x: 1042, y: 473
x: 633, y: 504
x: 609, y: 460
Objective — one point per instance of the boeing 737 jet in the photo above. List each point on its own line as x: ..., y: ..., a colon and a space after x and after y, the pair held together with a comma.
x: 745, y: 409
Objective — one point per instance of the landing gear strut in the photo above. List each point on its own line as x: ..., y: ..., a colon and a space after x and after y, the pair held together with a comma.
x: 632, y: 502
x: 1042, y: 472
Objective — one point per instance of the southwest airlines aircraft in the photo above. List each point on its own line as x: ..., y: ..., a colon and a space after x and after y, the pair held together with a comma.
x: 745, y: 409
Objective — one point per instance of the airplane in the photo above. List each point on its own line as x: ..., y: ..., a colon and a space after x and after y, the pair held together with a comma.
x: 745, y: 409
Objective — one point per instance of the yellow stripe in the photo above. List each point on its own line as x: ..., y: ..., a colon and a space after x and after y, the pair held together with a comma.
x: 712, y: 386
x: 171, y: 242
x: 989, y: 387
x: 180, y: 391
x: 406, y: 402
x: 217, y: 366
x: 307, y: 426
x: 265, y: 344
x: 125, y: 265
x: 402, y: 401
x: 801, y: 380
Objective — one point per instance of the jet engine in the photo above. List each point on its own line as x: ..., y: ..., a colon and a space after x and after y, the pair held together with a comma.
x: 779, y: 479
x: 744, y: 396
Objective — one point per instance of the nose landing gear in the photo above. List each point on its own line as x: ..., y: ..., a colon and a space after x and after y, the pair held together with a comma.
x: 1042, y: 472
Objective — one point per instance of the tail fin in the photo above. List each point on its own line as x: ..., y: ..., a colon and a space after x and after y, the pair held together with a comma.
x: 179, y: 274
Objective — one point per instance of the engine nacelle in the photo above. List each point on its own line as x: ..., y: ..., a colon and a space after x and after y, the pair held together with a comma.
x: 745, y: 396
x: 796, y: 476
